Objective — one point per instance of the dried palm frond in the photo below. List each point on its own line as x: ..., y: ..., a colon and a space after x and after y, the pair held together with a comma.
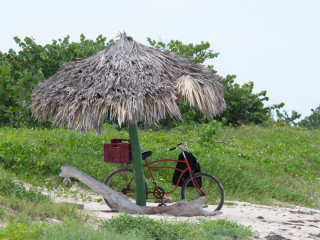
x: 129, y: 82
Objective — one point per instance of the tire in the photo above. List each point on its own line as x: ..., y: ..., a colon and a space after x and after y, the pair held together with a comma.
x: 211, y: 187
x: 122, y: 180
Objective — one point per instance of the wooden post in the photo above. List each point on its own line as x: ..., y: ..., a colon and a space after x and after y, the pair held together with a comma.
x: 137, y: 165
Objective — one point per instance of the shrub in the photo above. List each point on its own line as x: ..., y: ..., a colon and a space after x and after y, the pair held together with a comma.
x: 243, y: 106
x: 147, y: 228
x: 21, y: 71
x: 312, y: 121
x: 12, y: 189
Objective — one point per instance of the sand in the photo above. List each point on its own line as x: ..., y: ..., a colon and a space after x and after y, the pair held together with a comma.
x: 269, y: 222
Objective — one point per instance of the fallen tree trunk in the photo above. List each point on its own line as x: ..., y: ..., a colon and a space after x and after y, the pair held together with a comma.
x: 120, y: 203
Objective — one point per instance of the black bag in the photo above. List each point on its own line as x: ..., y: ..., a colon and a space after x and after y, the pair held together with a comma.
x: 194, y: 165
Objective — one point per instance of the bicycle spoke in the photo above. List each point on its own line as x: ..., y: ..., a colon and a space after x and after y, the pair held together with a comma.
x: 122, y: 182
x: 205, y: 186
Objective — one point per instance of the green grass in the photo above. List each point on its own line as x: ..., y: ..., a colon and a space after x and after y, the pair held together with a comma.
x: 28, y: 205
x: 24, y: 214
x: 261, y: 165
x: 147, y: 228
x: 69, y: 230
x: 127, y: 227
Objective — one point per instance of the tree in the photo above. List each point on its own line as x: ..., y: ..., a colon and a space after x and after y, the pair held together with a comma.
x: 290, y: 120
x: 199, y: 53
x: 21, y: 71
x: 243, y: 106
x: 312, y: 121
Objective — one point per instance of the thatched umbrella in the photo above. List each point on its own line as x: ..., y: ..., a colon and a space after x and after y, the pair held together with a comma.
x: 130, y: 83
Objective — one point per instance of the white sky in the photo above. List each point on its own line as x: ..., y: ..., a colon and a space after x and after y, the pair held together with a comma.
x: 274, y: 43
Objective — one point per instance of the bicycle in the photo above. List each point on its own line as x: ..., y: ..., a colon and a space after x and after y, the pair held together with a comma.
x: 196, y: 185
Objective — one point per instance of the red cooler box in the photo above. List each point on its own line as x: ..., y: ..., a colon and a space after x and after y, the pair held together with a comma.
x: 117, y: 151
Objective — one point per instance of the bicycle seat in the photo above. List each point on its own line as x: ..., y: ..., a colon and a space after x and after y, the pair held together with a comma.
x: 146, y: 154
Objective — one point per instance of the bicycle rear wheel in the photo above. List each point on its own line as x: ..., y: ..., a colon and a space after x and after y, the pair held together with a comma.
x: 206, y: 185
x: 122, y: 180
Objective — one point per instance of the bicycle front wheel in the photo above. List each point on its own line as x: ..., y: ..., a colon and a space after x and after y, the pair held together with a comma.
x: 122, y: 180
x: 203, y: 184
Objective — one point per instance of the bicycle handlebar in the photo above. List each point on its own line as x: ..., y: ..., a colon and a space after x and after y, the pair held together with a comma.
x: 179, y: 144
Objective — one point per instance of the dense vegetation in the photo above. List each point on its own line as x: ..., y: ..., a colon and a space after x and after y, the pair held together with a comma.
x: 21, y: 71
x: 243, y: 106
x: 262, y: 164
x: 24, y: 214
x: 270, y: 164
x: 312, y: 121
x: 266, y: 163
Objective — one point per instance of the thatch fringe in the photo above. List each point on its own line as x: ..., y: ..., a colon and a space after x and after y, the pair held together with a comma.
x: 129, y: 82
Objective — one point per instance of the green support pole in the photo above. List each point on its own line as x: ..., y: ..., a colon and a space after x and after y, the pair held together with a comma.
x: 137, y: 165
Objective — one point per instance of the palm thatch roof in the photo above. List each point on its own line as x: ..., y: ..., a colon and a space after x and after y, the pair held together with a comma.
x: 129, y: 82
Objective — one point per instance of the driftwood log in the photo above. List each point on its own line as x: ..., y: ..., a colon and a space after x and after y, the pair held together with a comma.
x: 120, y: 203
